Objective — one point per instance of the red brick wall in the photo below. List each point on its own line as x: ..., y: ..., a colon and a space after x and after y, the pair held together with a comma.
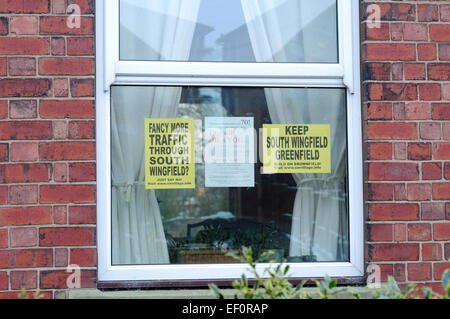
x: 406, y: 107
x: 47, y: 146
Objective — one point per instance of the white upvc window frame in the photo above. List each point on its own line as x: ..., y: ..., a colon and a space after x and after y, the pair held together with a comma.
x: 110, y: 70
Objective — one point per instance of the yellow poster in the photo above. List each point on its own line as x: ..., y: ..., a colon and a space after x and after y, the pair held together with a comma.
x: 169, y: 153
x: 296, y: 148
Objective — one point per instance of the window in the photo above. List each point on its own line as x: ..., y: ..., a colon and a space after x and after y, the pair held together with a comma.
x: 255, y: 64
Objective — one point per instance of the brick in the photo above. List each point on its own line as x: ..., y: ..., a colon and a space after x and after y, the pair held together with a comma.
x: 67, y: 194
x: 379, y: 111
x: 440, y: 111
x: 61, y: 257
x: 4, y: 152
x: 441, y: 151
x: 80, y: 46
x: 60, y: 215
x: 24, y: 87
x: 24, y: 25
x: 3, y: 238
x: 396, y: 31
x: 6, y: 258
x: 397, y: 71
x: 447, y: 250
x: 447, y: 170
x: 399, y: 192
x: 394, y: 252
x: 3, y: 195
x: 393, y: 172
x: 440, y: 32
x: 23, y: 109
x: 426, y: 52
x: 58, y: 46
x: 21, y: 216
x: 381, y: 191
x: 59, y: 151
x: 445, y: 12
x: 21, y: 66
x: 24, y: 152
x: 415, y: 71
x: 419, y: 151
x: 395, y: 131
x: 57, y: 279
x: 430, y: 130
x: 67, y: 109
x: 23, y: 237
x: 390, y: 52
x: 392, y: 91
x: 400, y: 151
x: 82, y: 172
x: 82, y: 215
x: 419, y: 232
x: 380, y: 232
x: 84, y: 257
x: 24, y: 46
x: 66, y: 236
x: 394, y: 212
x: 60, y: 172
x: 441, y: 231
x: 431, y: 251
x: 66, y: 66
x: 444, y: 52
x: 439, y: 71
x: 60, y: 87
x: 380, y: 151
x: 22, y: 6
x: 419, y: 192
x: 58, y: 25
x: 419, y: 271
x: 4, y: 26
x: 3, y: 109
x: 415, y: 32
x: 399, y: 111
x: 427, y: 12
x: 60, y: 130
x: 59, y: 6
x: 81, y: 129
x: 439, y: 269
x: 26, y: 173
x: 4, y: 280
x: 23, y: 194
x: 23, y: 279
x: 429, y: 92
x: 431, y: 171
x: 86, y: 6
x: 32, y: 258
x: 399, y: 232
x: 446, y: 131
x: 399, y: 272
x: 82, y: 87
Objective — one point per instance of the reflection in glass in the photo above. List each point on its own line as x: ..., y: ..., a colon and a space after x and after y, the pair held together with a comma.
x: 301, y: 217
x: 229, y: 30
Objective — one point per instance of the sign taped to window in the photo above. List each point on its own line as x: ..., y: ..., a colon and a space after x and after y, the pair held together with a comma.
x: 296, y: 148
x: 169, y: 153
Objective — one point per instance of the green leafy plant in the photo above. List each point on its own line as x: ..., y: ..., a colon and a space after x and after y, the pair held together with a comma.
x: 24, y: 295
x: 273, y: 284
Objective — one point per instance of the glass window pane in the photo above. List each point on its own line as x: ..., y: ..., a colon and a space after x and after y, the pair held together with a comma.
x: 229, y: 30
x: 300, y: 216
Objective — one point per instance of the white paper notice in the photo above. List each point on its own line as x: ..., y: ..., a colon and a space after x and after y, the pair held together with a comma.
x: 229, y: 152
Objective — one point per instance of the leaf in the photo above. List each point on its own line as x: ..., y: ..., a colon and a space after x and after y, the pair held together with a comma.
x: 216, y: 291
x: 393, y: 285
